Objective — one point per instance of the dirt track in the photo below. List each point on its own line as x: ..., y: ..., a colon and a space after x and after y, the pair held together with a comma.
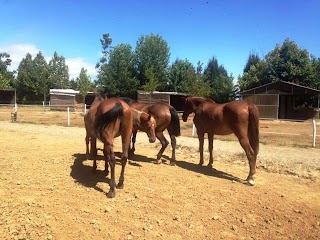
x: 47, y: 191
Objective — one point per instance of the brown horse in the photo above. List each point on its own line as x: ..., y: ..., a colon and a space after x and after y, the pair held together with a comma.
x: 89, y: 119
x: 166, y: 117
x: 115, y: 118
x: 238, y: 117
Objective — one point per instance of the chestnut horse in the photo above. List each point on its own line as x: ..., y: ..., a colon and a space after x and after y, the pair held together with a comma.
x: 115, y: 118
x: 91, y: 138
x: 166, y: 117
x: 238, y: 117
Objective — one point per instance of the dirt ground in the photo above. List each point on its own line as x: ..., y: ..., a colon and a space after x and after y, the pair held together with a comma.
x: 47, y: 190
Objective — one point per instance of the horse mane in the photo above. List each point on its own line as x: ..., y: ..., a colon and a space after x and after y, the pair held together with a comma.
x: 106, y: 118
x: 136, y: 114
x: 128, y: 100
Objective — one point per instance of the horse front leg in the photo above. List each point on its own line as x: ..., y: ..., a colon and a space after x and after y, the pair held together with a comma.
x: 87, y: 139
x: 201, y: 141
x: 164, y: 143
x: 173, y: 145
x: 93, y: 153
x: 210, y: 148
x: 134, y: 136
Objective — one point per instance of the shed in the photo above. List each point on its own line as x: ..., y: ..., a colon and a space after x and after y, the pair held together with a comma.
x: 283, y: 100
x: 61, y: 99
x: 175, y: 99
x: 7, y: 96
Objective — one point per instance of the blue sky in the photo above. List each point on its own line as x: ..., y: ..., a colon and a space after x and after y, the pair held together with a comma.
x: 194, y: 29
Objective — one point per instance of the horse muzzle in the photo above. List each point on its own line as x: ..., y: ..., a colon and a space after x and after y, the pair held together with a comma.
x: 184, y: 118
x: 152, y: 139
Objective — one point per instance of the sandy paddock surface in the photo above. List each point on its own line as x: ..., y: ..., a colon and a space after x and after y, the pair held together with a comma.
x: 47, y: 190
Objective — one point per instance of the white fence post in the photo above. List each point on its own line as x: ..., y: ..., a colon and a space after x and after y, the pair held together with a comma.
x: 85, y: 108
x: 314, y: 132
x: 68, y: 110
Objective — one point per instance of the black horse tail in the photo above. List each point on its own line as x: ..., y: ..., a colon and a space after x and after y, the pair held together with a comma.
x: 175, y: 122
x: 253, y: 130
x: 106, y: 118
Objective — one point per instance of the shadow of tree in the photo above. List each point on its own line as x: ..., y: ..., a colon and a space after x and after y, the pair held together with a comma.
x: 83, y: 174
x: 212, y: 172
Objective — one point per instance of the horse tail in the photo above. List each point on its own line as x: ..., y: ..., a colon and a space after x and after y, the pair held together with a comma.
x: 106, y: 118
x: 175, y: 122
x: 253, y: 130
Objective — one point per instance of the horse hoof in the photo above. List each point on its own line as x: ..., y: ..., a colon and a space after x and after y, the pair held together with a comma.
x: 120, y: 186
x: 158, y: 161
x: 172, y: 163
x: 200, y: 164
x: 111, y: 194
x: 210, y: 165
x: 250, y: 182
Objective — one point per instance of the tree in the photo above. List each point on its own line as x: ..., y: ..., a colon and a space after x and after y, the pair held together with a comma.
x: 286, y: 62
x: 152, y: 84
x: 41, y: 78
x: 26, y: 84
x: 84, y: 84
x: 289, y: 63
x: 221, y: 84
x: 180, y: 73
x: 106, y: 44
x: 253, y: 60
x: 152, y: 52
x: 117, y: 73
x: 6, y: 76
x: 58, y: 72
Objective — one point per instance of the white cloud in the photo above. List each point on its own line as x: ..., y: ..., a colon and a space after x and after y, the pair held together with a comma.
x: 18, y: 52
x: 75, y: 65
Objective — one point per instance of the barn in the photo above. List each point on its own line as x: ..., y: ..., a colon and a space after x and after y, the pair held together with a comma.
x: 173, y: 98
x: 61, y: 99
x: 284, y: 100
x: 7, y: 96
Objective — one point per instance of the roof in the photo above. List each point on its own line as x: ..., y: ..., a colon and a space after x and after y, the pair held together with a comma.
x: 281, y: 87
x: 156, y: 92
x: 65, y: 92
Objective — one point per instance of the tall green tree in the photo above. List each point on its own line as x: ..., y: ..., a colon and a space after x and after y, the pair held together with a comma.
x: 152, y: 52
x: 290, y: 63
x: 26, y: 82
x: 41, y: 70
x: 58, y: 72
x: 286, y: 62
x: 84, y: 83
x: 6, y: 76
x: 181, y: 73
x: 117, y: 74
x: 106, y: 42
x: 222, y: 89
x: 253, y: 60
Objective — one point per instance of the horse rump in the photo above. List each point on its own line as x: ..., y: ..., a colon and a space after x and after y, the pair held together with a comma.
x: 103, y: 120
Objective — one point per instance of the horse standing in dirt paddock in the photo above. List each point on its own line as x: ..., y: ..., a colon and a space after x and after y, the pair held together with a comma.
x: 238, y: 117
x: 115, y: 118
x: 166, y: 117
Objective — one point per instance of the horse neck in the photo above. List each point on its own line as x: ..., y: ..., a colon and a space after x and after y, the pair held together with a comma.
x: 197, y: 101
x: 136, y: 117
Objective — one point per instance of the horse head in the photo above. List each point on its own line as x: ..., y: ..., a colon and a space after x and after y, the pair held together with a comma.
x: 148, y: 125
x: 188, y: 108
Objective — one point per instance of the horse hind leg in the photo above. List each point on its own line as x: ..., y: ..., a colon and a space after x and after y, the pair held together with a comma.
x: 210, y: 148
x: 252, y: 158
x: 173, y: 145
x: 164, y: 142
x: 110, y: 157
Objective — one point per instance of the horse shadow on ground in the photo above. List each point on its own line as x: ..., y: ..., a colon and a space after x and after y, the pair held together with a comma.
x: 84, y: 175
x: 212, y: 172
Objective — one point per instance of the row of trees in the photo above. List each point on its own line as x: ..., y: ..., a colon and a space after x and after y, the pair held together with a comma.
x: 35, y: 77
x: 123, y: 70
